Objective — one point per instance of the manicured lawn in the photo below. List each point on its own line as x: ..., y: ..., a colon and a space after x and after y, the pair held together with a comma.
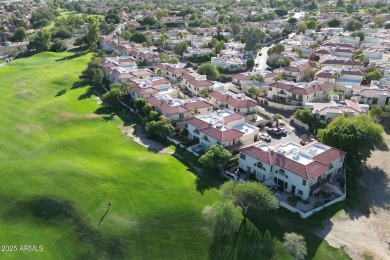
x: 63, y: 158
x: 61, y: 163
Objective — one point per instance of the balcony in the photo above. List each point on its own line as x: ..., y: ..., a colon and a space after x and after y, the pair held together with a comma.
x: 319, y: 184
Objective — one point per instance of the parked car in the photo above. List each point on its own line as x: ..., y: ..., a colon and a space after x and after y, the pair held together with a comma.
x: 283, y: 130
x: 231, y: 175
x: 265, y: 136
x: 274, y: 131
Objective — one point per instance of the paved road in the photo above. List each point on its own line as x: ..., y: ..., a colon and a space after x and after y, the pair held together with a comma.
x: 261, y: 59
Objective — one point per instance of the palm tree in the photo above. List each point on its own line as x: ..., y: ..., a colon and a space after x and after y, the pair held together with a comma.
x: 276, y: 118
x: 314, y: 46
x: 336, y: 75
x: 277, y: 78
x: 254, y: 92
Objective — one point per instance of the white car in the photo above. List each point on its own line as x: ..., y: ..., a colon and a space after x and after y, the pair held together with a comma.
x: 265, y: 136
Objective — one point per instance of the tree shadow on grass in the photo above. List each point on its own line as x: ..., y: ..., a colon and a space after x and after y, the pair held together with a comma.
x: 61, y: 92
x: 88, y: 94
x: 71, y: 57
x: 54, y: 212
x: 127, y: 117
x: 205, y: 179
x: 245, y: 243
x: 79, y: 84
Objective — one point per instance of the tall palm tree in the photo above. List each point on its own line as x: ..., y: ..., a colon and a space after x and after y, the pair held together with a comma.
x: 336, y: 75
x: 276, y: 118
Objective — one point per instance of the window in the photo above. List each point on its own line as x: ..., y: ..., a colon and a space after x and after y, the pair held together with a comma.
x: 181, y: 116
x: 259, y: 165
x: 242, y: 156
x: 281, y: 92
x: 300, y: 192
x: 218, y: 142
x: 270, y: 89
x: 186, y: 125
x: 304, y: 182
x: 205, y: 138
x: 282, y: 172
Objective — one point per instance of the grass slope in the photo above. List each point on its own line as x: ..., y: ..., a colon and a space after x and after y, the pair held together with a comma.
x: 61, y: 163
x: 63, y: 157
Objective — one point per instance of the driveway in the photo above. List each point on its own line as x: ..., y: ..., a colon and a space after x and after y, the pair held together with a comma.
x: 364, y: 233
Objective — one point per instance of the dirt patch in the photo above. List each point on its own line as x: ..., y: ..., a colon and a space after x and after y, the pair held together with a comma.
x: 68, y: 116
x: 23, y: 93
x: 140, y: 137
x: 92, y: 116
x: 366, y: 231
x: 128, y: 223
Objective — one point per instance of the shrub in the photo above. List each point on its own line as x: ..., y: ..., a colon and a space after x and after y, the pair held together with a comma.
x: 292, y: 200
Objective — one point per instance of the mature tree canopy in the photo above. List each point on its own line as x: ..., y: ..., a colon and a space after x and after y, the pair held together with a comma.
x: 209, y: 70
x: 20, y: 34
x: 215, y: 156
x: 139, y: 103
x: 334, y: 22
x: 374, y: 75
x: 173, y: 60
x: 301, y: 28
x: 112, y: 97
x: 180, y: 48
x: 357, y: 136
x: 92, y: 34
x: 359, y: 33
x: 295, y: 245
x: 353, y: 25
x: 58, y: 45
x: 223, y: 214
x: 249, y: 195
x: 41, y: 41
x: 235, y: 23
x: 375, y: 111
x: 161, y: 128
x: 304, y: 115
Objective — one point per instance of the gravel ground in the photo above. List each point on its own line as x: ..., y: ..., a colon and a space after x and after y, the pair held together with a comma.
x: 365, y: 232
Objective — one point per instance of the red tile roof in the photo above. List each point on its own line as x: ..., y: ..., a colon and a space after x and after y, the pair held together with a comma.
x: 198, y: 104
x: 148, y: 90
x: 300, y: 68
x: 245, y: 102
x: 314, y: 169
x: 165, y: 108
x: 197, y: 83
x: 233, y: 117
x: 200, y: 124
x: 311, y: 87
x: 222, y: 136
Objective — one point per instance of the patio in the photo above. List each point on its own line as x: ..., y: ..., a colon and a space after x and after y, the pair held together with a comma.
x: 316, y: 201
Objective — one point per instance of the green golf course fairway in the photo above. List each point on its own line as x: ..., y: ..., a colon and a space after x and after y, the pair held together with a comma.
x: 63, y: 158
x: 62, y: 161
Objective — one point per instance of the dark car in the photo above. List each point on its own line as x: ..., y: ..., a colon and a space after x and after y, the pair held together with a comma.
x: 274, y: 131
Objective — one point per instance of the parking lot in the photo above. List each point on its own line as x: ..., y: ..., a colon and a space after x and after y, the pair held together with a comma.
x: 293, y: 135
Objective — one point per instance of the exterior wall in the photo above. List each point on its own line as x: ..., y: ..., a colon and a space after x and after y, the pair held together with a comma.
x: 249, y: 138
x: 302, y: 186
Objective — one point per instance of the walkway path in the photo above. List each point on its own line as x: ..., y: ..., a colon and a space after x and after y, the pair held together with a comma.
x: 140, y: 137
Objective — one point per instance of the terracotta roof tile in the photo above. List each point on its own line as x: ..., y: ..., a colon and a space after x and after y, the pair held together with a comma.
x: 222, y: 135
